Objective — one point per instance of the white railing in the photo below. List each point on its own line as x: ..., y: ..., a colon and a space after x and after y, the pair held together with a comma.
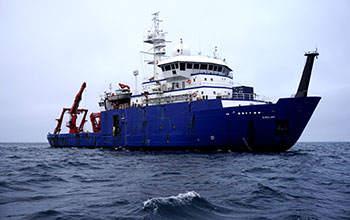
x: 244, y: 96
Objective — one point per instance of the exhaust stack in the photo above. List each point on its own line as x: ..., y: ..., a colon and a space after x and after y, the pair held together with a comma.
x: 305, y: 78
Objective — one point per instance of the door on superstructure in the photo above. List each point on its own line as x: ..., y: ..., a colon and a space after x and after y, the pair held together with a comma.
x: 116, y: 128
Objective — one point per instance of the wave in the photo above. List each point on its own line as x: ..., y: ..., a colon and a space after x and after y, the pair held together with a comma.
x: 188, y: 205
x: 48, y: 214
x: 257, y: 170
x: 265, y: 192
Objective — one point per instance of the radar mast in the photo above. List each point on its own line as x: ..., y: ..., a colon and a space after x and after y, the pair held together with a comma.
x: 156, y: 37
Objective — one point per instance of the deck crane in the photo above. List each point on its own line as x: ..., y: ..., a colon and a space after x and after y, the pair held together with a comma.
x: 95, y: 121
x: 123, y: 86
x: 74, y: 111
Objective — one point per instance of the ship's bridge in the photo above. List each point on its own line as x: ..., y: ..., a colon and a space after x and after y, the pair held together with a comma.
x: 185, y: 66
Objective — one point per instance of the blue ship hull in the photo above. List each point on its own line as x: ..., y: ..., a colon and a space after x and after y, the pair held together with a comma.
x: 203, y: 125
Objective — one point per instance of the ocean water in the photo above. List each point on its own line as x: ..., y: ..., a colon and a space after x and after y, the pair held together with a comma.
x: 310, y: 181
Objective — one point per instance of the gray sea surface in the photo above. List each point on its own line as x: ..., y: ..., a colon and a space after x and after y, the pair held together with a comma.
x: 309, y: 181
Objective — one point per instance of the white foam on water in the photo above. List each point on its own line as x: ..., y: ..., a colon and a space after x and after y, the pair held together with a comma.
x: 181, y: 199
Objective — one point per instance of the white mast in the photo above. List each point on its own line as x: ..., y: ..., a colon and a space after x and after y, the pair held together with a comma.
x: 135, y: 73
x: 156, y: 37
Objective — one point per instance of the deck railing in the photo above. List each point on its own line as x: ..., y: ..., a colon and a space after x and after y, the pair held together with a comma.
x: 244, y: 96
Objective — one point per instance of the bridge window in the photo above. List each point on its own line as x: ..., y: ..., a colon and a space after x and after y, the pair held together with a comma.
x: 196, y: 66
x: 167, y: 67
x: 215, y: 68
x: 219, y: 68
x: 210, y: 67
x: 182, y: 66
x: 189, y: 65
x: 226, y: 71
x: 204, y: 66
x: 173, y: 66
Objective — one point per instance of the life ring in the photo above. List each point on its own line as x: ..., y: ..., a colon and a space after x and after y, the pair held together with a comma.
x: 188, y: 81
x: 194, y: 94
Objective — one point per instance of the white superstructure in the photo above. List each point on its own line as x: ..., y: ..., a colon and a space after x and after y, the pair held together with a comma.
x: 181, y: 77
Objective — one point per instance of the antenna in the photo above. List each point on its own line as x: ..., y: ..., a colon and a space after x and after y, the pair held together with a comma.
x: 110, y: 88
x: 215, y: 52
x: 155, y: 37
x: 182, y: 46
x: 135, y: 73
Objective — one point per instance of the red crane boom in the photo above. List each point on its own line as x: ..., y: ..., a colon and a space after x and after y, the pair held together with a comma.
x: 77, y: 99
x: 123, y: 86
x: 74, y: 111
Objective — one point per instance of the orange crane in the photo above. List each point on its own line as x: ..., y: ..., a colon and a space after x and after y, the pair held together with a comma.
x: 95, y: 121
x: 74, y: 111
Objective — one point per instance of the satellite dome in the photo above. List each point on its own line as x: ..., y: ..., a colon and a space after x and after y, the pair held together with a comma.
x: 181, y: 49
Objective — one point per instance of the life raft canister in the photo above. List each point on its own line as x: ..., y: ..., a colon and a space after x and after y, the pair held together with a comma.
x: 188, y: 81
x: 194, y: 94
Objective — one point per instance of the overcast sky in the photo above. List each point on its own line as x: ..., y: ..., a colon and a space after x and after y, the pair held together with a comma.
x: 49, y: 48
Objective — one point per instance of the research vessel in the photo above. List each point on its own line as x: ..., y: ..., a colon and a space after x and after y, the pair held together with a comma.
x: 190, y: 102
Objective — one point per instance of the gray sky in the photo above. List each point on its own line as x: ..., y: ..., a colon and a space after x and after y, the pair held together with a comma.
x: 49, y: 48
